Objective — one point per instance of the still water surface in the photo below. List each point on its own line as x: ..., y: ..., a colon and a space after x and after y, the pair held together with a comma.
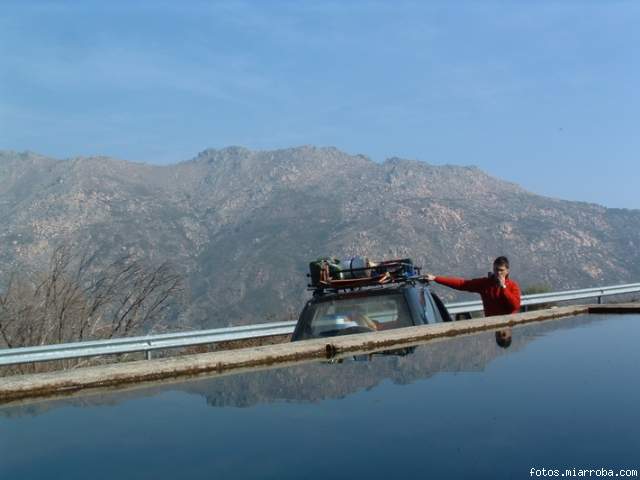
x: 565, y: 394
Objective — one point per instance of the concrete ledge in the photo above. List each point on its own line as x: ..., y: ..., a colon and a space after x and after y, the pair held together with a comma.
x: 46, y: 384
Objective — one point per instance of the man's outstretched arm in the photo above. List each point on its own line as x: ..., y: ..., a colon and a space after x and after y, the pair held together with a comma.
x: 474, y: 285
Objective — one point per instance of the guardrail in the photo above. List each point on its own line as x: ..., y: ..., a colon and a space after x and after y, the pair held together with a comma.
x: 147, y: 344
x: 552, y: 297
x: 65, y: 351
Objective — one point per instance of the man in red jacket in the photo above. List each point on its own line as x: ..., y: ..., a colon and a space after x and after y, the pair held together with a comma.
x: 500, y: 295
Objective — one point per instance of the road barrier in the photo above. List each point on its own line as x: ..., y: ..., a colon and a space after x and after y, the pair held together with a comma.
x: 552, y: 297
x: 149, y: 343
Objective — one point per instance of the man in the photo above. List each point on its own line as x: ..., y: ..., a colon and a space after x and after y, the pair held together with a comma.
x: 500, y: 295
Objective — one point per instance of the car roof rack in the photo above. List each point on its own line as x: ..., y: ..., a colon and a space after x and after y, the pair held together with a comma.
x: 377, y: 274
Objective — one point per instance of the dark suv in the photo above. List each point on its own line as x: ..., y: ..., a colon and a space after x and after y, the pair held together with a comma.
x: 404, y: 302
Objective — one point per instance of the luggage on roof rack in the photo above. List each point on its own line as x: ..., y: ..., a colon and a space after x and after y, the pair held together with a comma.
x: 352, y: 267
x: 334, y: 274
x: 318, y: 267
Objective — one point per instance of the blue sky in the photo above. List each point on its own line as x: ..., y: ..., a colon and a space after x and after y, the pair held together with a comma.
x: 542, y: 93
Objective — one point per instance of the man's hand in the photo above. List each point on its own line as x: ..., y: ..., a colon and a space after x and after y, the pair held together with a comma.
x: 430, y: 277
x: 501, y: 277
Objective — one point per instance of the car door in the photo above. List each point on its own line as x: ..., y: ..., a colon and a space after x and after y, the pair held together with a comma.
x: 434, y: 309
x: 439, y: 308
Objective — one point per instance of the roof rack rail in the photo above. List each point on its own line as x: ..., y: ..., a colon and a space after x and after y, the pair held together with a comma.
x: 327, y: 275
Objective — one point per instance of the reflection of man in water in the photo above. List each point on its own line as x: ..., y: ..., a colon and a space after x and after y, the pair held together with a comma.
x: 503, y: 337
x: 500, y: 295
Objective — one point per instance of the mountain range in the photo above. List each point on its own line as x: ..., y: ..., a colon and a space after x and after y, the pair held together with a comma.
x: 242, y: 225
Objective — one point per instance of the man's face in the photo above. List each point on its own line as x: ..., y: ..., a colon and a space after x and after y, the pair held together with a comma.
x: 500, y: 270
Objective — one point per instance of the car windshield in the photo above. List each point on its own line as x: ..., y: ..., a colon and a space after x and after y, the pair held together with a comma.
x: 350, y: 315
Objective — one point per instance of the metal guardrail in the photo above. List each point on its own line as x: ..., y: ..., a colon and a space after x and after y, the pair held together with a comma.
x: 147, y: 344
x: 551, y: 297
x: 65, y: 351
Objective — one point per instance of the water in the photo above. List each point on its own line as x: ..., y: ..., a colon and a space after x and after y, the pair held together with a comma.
x: 565, y: 394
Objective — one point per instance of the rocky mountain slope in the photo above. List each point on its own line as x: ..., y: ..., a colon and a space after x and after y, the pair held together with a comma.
x: 243, y: 225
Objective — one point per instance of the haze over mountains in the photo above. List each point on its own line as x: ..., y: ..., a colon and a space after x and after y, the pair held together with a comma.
x: 242, y: 225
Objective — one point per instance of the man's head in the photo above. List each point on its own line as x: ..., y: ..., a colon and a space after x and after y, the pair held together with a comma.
x: 501, y: 267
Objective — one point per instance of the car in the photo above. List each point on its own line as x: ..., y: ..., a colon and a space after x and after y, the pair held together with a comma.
x: 389, y: 295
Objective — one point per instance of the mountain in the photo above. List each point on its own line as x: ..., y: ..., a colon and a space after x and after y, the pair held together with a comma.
x: 242, y: 225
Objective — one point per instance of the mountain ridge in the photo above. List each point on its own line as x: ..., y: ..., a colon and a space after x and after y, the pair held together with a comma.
x: 265, y: 214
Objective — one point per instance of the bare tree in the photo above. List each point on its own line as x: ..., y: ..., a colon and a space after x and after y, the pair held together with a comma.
x: 80, y: 298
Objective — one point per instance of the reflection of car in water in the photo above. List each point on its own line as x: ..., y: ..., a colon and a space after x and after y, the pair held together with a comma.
x: 378, y: 297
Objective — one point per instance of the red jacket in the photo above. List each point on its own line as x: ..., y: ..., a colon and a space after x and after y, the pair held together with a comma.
x: 495, y: 299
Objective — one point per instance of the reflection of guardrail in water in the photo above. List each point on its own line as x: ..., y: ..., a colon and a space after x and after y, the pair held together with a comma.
x: 147, y: 344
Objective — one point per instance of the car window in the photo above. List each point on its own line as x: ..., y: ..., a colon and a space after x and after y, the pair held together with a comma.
x: 380, y: 312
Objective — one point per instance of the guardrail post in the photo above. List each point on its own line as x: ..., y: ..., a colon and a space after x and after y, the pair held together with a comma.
x: 147, y: 354
x: 600, y: 300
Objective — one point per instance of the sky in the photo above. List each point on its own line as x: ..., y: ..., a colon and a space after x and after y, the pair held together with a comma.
x: 541, y: 93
